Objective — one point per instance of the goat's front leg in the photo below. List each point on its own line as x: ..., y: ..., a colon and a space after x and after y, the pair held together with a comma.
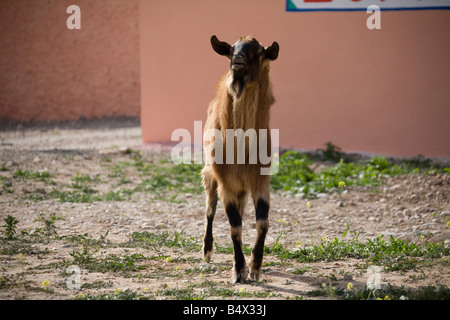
x: 262, y: 226
x: 239, y: 273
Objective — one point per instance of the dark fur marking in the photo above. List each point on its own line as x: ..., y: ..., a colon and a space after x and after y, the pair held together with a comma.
x: 208, y: 241
x: 262, y: 210
x: 233, y: 215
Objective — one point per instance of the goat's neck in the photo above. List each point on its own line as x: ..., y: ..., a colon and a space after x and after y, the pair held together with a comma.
x: 245, y: 107
x: 253, y: 101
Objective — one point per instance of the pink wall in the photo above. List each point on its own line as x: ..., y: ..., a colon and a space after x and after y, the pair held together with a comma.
x: 48, y: 72
x: 378, y: 91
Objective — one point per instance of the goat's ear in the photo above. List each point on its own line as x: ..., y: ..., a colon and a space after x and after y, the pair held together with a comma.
x: 271, y: 52
x: 221, y: 47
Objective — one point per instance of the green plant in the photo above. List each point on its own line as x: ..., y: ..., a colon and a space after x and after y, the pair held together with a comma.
x: 10, y: 227
x: 331, y: 153
x: 394, y: 254
x: 80, y: 177
x: 295, y: 175
x: 163, y: 239
x: 27, y: 174
x: 49, y: 224
x: 116, y: 295
x: 84, y: 257
x: 390, y: 292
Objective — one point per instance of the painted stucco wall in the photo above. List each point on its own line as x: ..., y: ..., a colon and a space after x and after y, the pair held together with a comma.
x: 48, y: 72
x: 378, y: 91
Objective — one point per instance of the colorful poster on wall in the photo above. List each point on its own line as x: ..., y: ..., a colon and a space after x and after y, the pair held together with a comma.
x: 351, y: 5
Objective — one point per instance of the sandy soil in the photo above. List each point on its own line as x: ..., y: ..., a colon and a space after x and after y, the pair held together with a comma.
x: 413, y: 208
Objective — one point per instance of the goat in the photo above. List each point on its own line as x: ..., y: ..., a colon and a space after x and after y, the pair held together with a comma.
x: 244, y: 96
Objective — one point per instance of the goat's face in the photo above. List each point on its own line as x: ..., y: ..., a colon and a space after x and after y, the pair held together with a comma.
x: 247, y: 56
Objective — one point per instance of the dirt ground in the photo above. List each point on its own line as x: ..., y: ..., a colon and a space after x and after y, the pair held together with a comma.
x: 411, y: 207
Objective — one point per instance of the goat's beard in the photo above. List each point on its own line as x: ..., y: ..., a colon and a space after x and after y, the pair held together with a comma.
x: 238, y: 80
x: 237, y: 86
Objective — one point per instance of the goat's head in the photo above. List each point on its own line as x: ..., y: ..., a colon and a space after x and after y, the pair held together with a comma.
x: 247, y: 56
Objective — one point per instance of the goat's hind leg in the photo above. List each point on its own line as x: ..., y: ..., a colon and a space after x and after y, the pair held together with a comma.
x: 211, y: 205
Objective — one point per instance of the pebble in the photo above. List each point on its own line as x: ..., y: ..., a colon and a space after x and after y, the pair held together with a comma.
x: 10, y: 164
x: 406, y: 236
x: 445, y: 214
x: 289, y: 281
x: 440, y: 237
x: 348, y: 277
x: 290, y: 270
x: 407, y: 212
x: 207, y: 266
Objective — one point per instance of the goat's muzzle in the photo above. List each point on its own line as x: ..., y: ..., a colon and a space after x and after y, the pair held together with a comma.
x: 237, y: 62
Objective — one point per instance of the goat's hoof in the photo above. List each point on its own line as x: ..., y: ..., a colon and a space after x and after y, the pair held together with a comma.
x: 255, y: 269
x: 207, y: 255
x: 254, y: 275
x: 240, y: 276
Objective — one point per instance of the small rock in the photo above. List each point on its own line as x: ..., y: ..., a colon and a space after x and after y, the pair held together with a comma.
x: 125, y: 150
x: 289, y: 282
x: 348, y: 277
x: 207, y: 266
x: 290, y: 270
x: 268, y: 271
x: 406, y: 236
x: 418, y: 209
x: 445, y: 214
x: 10, y: 164
x: 439, y: 238
x: 407, y: 212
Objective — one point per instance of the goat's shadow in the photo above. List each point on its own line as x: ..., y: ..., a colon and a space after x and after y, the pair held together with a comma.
x: 283, y: 287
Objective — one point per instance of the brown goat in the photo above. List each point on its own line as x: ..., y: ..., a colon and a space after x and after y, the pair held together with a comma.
x: 243, y: 100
